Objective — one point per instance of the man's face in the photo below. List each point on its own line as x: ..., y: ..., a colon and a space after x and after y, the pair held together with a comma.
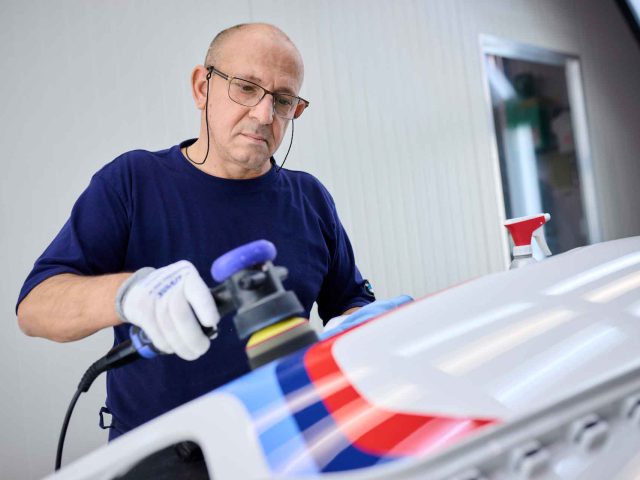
x: 246, y: 137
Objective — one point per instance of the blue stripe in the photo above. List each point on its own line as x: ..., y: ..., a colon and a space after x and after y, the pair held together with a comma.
x: 331, y: 450
x: 279, y: 436
x: 297, y: 433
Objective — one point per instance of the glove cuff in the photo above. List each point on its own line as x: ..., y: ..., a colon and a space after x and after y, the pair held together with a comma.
x: 126, y: 285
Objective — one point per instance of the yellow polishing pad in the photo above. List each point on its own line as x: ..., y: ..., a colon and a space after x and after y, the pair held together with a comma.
x: 274, y: 330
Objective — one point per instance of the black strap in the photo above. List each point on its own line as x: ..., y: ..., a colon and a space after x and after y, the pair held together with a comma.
x: 101, y: 423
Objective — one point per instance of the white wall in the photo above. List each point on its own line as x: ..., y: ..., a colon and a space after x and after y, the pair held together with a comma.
x: 398, y: 130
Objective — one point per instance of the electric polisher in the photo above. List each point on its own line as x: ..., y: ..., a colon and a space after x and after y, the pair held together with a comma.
x: 266, y: 314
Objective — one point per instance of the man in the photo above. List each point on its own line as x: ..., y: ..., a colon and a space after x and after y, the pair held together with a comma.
x: 179, y: 209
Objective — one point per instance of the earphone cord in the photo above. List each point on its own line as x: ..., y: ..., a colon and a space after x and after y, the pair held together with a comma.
x: 288, y: 149
x: 206, y: 118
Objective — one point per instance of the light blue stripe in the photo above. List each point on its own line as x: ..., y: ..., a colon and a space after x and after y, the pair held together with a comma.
x: 260, y: 392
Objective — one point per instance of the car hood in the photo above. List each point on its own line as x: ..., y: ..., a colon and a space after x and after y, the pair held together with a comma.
x: 434, y: 371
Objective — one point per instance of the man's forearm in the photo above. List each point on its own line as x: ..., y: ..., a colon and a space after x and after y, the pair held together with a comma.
x: 68, y: 307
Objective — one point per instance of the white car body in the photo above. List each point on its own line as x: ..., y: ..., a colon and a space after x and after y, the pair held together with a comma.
x: 530, y: 373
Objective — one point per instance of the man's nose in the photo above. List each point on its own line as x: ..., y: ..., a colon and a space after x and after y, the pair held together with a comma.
x: 263, y: 111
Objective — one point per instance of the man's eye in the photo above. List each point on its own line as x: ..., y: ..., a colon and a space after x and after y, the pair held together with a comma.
x: 284, y: 101
x: 248, y: 89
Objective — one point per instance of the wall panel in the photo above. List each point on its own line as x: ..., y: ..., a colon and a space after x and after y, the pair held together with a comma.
x: 399, y: 130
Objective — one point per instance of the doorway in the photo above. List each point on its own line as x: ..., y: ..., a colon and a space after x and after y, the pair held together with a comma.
x: 540, y: 126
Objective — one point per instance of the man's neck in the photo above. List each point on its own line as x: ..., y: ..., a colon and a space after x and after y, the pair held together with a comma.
x: 195, y: 154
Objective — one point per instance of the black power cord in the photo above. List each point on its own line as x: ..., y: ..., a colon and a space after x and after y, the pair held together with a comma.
x: 65, y: 424
x: 118, y: 356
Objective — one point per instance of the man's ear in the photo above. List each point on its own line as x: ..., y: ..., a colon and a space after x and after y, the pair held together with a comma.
x: 199, y: 86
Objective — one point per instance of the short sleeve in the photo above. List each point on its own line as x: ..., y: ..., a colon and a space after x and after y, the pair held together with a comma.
x: 93, y: 240
x: 343, y: 287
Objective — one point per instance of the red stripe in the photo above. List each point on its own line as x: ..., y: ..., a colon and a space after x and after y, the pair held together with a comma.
x: 377, y: 430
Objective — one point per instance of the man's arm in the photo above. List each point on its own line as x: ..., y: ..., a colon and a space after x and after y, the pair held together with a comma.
x: 69, y: 307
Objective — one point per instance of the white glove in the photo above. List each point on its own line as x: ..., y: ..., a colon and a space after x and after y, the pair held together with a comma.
x: 160, y: 302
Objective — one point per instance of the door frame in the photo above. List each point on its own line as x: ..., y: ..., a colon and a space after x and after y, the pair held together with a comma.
x: 492, y: 45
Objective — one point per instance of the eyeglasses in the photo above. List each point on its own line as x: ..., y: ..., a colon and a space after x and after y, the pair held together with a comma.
x: 250, y: 94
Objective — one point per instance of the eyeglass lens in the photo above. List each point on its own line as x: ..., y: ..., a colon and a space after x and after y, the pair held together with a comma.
x: 249, y: 94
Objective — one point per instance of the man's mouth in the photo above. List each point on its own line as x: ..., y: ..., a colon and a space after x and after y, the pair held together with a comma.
x: 256, y: 138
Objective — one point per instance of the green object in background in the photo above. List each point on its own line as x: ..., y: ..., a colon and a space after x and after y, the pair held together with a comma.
x: 529, y: 112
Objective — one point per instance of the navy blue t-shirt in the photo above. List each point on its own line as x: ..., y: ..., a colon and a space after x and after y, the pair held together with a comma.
x: 155, y: 208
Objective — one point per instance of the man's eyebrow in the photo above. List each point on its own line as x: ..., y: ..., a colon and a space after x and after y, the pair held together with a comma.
x: 251, y: 78
x: 286, y: 90
x: 254, y: 79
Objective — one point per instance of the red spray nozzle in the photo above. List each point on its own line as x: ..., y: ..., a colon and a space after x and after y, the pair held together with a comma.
x: 522, y: 228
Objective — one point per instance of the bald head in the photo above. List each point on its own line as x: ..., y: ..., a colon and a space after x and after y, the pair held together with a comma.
x: 222, y: 45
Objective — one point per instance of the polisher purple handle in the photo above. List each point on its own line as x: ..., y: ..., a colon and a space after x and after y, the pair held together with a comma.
x: 245, y: 256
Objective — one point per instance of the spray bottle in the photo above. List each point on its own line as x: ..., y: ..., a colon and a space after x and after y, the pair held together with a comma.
x: 523, y: 230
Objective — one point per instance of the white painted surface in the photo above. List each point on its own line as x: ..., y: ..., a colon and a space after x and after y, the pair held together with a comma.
x: 398, y: 130
x: 503, y: 347
x: 506, y: 344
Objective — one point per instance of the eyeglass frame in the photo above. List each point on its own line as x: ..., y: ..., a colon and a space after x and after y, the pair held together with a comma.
x: 230, y: 78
